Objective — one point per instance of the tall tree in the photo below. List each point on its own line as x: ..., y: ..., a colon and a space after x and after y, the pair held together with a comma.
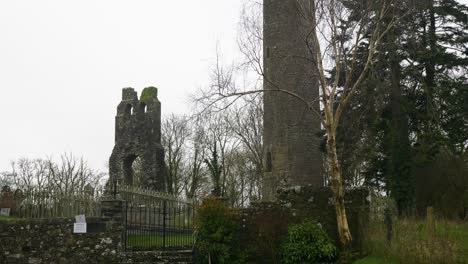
x: 422, y: 67
x: 216, y: 170
x: 175, y: 133
x: 324, y: 22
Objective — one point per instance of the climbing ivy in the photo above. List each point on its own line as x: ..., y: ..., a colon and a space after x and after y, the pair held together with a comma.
x: 148, y: 93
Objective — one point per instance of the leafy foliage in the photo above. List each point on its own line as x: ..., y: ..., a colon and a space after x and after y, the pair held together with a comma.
x: 307, y: 243
x: 413, y: 103
x: 216, y: 170
x: 217, y: 232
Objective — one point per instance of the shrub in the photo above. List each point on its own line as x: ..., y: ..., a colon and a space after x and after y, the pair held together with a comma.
x: 307, y: 243
x: 217, y: 228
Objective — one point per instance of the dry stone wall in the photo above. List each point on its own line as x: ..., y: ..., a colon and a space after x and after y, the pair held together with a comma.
x: 265, y: 224
x: 44, y: 241
x: 52, y: 241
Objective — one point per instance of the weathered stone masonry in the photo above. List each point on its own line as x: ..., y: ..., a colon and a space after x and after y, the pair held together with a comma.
x: 50, y: 241
x: 265, y: 224
x: 138, y: 135
x: 291, y: 141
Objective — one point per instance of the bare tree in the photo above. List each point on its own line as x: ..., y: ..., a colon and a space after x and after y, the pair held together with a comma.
x: 247, y: 124
x: 195, y: 176
x: 72, y: 175
x: 6, y: 179
x: 331, y: 47
x: 175, y: 133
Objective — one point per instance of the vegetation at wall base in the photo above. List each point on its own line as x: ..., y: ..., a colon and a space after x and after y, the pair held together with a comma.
x: 152, y: 241
x: 4, y: 217
x: 218, y: 229
x: 307, y: 243
x: 375, y: 260
x: 414, y: 242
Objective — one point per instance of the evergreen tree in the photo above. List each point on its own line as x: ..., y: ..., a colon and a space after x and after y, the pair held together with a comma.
x: 215, y: 171
x: 414, y: 102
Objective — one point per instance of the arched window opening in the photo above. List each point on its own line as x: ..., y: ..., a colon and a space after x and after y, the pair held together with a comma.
x: 128, y: 109
x: 137, y: 168
x: 268, y: 165
x: 143, y: 108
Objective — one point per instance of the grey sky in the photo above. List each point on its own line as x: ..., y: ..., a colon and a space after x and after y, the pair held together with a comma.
x: 63, y: 64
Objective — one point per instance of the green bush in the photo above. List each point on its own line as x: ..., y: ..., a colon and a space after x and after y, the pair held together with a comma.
x: 217, y: 228
x: 307, y: 243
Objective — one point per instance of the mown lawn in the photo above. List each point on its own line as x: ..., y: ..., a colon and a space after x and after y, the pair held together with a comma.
x: 156, y: 241
x: 3, y: 217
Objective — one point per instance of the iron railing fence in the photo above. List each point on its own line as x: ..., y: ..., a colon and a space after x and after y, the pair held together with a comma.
x: 138, y: 196
x: 156, y: 220
x: 163, y: 225
x: 36, y: 203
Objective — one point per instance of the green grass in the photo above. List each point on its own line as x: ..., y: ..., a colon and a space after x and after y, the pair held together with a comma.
x: 2, y: 217
x: 374, y: 260
x: 156, y: 241
x: 458, y: 233
x: 413, y: 242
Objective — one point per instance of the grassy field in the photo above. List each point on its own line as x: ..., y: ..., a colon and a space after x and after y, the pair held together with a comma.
x: 415, y: 242
x: 375, y: 260
x: 156, y: 241
x: 2, y: 217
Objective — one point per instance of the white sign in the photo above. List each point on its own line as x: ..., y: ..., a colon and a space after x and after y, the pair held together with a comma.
x: 80, y: 218
x: 5, y: 211
x: 79, y: 228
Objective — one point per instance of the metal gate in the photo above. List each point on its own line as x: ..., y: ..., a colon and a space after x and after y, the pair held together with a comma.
x: 163, y: 224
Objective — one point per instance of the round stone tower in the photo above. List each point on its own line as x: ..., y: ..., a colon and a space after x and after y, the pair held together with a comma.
x: 291, y: 140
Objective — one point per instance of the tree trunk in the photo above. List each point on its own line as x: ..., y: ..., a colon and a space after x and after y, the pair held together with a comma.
x: 337, y: 188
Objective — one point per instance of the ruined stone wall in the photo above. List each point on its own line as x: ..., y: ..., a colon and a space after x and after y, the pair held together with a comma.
x: 138, y: 136
x: 52, y: 241
x: 49, y: 241
x: 265, y: 224
x: 291, y: 141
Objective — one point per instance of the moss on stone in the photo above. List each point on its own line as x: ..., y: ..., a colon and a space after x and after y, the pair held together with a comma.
x: 148, y: 93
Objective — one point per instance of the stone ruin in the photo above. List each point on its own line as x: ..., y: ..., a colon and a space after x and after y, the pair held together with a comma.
x: 293, y: 184
x: 291, y: 131
x: 138, y: 156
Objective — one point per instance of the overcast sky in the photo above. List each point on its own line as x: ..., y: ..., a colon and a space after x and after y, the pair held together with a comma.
x: 63, y: 64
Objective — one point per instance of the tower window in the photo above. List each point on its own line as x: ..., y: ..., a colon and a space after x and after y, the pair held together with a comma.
x: 143, y: 108
x: 128, y: 109
x: 268, y: 165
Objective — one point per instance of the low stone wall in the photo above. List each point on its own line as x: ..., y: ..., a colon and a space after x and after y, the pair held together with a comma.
x: 53, y: 241
x: 264, y: 225
x: 159, y: 257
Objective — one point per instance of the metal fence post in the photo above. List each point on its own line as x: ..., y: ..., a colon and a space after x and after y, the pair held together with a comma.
x: 164, y: 222
x: 125, y: 227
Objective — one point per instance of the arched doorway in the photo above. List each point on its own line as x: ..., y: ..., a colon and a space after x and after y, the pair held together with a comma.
x: 133, y: 170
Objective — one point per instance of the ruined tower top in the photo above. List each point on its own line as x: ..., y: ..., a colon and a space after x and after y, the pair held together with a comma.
x: 135, y: 116
x: 291, y: 142
x: 138, y: 156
